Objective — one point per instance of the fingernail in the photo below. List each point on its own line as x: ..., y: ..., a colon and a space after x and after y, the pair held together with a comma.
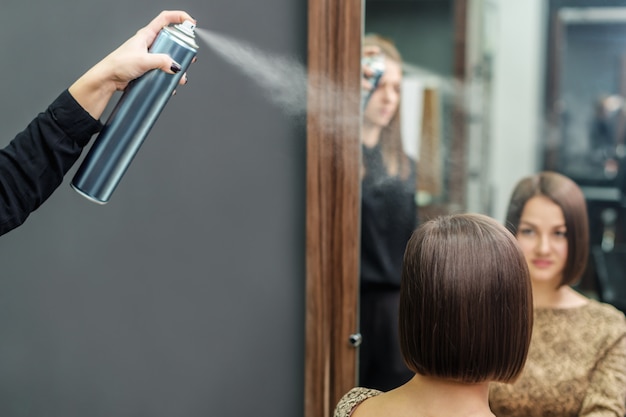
x: 175, y: 67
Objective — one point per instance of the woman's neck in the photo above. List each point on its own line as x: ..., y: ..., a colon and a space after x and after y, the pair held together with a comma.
x: 434, y: 397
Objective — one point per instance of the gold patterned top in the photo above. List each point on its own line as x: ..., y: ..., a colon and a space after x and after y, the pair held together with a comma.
x: 576, y: 366
x: 352, y: 399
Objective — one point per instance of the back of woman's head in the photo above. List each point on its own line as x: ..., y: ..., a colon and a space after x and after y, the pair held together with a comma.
x: 465, y: 301
x: 565, y: 193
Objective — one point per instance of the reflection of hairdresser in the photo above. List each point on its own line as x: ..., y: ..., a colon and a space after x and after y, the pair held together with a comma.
x: 465, y: 320
x: 577, y: 360
x: 33, y: 165
x: 388, y: 217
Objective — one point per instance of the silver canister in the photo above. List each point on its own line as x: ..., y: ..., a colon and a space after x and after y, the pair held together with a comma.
x: 376, y: 63
x: 133, y: 116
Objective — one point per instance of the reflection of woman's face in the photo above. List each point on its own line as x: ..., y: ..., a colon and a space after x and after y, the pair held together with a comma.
x: 384, y: 101
x: 542, y: 236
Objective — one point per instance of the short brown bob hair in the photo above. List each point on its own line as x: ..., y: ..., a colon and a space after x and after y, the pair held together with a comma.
x: 566, y: 194
x: 465, y: 301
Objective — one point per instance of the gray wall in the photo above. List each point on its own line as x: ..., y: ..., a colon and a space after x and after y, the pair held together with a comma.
x: 184, y: 296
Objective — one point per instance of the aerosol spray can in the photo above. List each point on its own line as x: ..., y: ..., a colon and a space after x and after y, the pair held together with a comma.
x: 133, y: 116
x: 377, y: 64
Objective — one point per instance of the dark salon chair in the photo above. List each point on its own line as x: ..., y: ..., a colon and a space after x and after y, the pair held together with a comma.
x: 610, y: 271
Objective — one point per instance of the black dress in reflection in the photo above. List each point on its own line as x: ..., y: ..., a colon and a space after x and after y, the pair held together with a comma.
x: 388, y: 218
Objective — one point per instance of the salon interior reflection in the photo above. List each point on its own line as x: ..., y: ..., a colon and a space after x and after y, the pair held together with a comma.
x: 494, y: 90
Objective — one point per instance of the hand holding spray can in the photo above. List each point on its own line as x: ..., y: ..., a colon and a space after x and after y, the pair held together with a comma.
x: 376, y: 63
x: 133, y: 116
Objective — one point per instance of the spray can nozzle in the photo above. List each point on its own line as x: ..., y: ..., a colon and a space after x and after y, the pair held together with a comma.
x: 187, y: 27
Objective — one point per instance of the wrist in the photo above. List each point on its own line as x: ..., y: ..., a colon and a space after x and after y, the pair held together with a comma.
x: 93, y: 90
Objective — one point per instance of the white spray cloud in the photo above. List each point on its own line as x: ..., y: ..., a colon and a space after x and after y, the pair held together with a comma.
x: 284, y: 80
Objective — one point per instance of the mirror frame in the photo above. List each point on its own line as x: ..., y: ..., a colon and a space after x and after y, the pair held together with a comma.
x: 333, y: 198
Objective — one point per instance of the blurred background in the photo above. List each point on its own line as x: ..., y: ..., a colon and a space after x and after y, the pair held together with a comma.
x: 496, y: 90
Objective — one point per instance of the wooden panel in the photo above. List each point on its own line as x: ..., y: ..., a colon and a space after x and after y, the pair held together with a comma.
x: 333, y: 201
x: 429, y: 169
x: 458, y: 146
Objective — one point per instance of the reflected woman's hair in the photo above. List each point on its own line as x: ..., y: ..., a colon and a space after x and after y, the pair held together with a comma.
x: 465, y: 301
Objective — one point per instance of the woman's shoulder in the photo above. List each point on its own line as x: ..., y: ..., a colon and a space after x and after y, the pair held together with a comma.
x: 607, y: 313
x: 602, y: 322
x: 352, y: 399
x: 591, y: 311
x: 595, y: 322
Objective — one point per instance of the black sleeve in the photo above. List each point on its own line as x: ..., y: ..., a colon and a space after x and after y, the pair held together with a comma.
x: 32, y: 166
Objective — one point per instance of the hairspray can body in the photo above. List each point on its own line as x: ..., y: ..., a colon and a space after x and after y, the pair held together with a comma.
x: 133, y: 116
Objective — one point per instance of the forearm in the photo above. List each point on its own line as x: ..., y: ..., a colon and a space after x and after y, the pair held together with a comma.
x: 33, y: 165
x: 94, y: 89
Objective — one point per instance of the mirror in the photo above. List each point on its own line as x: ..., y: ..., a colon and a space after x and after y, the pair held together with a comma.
x: 447, y: 49
x: 495, y: 90
x: 498, y: 62
x: 443, y: 116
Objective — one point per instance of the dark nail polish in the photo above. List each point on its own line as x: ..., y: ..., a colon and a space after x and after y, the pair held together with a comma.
x: 175, y: 67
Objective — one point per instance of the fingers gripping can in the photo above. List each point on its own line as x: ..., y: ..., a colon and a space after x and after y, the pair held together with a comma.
x: 133, y: 116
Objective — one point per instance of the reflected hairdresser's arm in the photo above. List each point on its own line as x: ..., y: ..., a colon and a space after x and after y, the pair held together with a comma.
x: 606, y: 395
x: 368, y: 50
x: 131, y: 60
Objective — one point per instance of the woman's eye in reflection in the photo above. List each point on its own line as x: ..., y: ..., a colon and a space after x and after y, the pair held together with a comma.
x: 525, y: 231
